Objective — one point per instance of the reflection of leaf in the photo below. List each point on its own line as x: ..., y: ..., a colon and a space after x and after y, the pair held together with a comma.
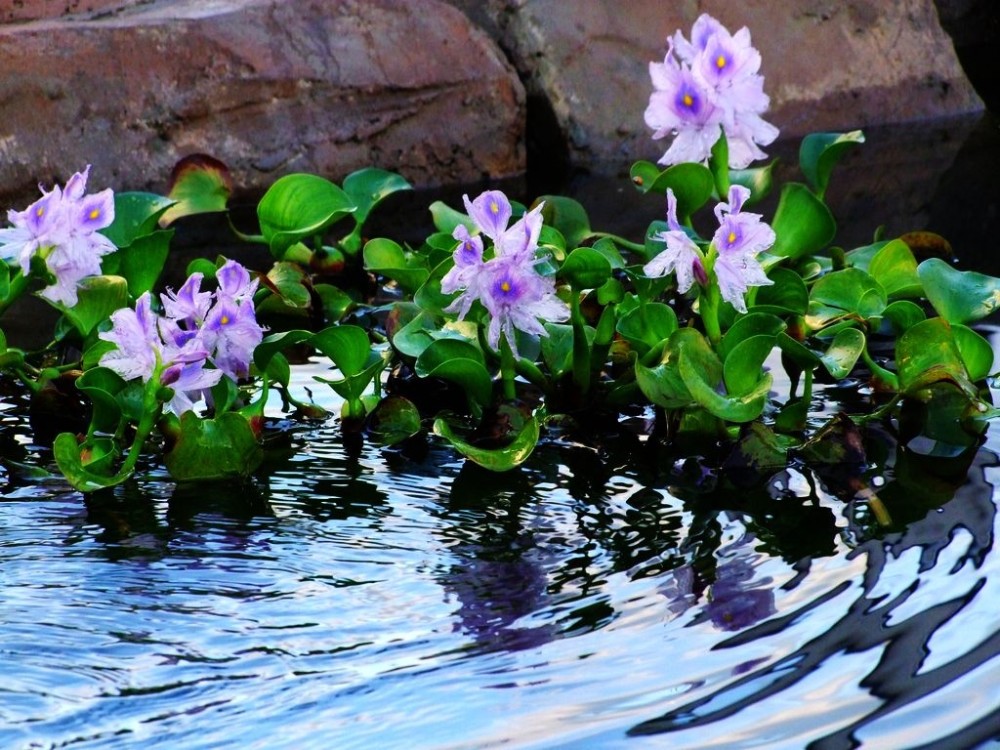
x: 394, y: 419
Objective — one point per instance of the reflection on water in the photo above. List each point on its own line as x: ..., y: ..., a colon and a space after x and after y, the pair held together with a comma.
x: 607, y: 596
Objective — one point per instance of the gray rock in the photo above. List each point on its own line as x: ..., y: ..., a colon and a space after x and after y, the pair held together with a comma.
x: 828, y: 65
x: 267, y: 86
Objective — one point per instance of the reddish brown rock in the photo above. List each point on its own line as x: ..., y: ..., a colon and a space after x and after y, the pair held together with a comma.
x: 20, y: 11
x: 828, y: 65
x: 268, y: 86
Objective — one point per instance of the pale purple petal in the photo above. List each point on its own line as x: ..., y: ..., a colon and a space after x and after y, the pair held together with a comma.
x: 235, y: 281
x: 491, y: 212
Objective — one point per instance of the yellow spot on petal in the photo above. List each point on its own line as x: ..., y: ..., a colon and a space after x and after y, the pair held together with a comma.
x: 494, y: 207
x: 720, y: 62
x: 731, y: 238
x: 224, y: 320
x: 505, y: 286
x: 40, y: 211
x: 94, y: 214
x: 688, y: 100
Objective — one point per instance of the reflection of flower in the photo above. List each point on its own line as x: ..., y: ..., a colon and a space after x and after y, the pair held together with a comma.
x: 62, y: 227
x: 508, y: 285
x: 705, y: 83
x: 733, y: 602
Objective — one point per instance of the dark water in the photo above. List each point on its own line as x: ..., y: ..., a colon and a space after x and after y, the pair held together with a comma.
x: 607, y: 595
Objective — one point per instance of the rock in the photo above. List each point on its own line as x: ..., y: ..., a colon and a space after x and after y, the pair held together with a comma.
x: 20, y: 11
x: 267, y: 86
x: 828, y: 65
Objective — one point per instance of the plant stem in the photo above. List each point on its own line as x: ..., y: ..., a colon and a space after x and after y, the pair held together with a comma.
x: 709, y: 311
x: 507, y: 369
x: 635, y: 246
x: 17, y: 286
x: 581, y: 347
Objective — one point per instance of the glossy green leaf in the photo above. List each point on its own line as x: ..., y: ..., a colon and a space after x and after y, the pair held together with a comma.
x: 820, y: 152
x: 498, y: 459
x: 274, y: 343
x: 199, y: 184
x: 787, y: 295
x: 141, y: 262
x: 959, y: 296
x: 459, y: 362
x: 758, y: 180
x: 798, y: 352
x: 843, y: 353
x: 557, y: 348
x: 752, y: 324
x: 928, y: 353
x: 977, y: 354
x: 585, y: 268
x: 290, y: 283
x: 732, y: 408
x: 647, y: 325
x: 849, y: 292
x: 691, y: 183
x: 102, y: 386
x: 136, y: 214
x: 348, y: 347
x: 902, y: 314
x: 895, y: 268
x: 219, y: 448
x: 663, y: 384
x: 394, y: 420
x: 97, y: 298
x: 66, y: 451
x: 568, y: 216
x: 385, y: 257
x: 447, y: 219
x: 802, y: 224
x: 743, y: 368
x: 368, y: 187
x: 298, y: 207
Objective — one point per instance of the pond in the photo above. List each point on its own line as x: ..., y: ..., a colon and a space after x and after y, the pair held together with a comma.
x: 604, y: 595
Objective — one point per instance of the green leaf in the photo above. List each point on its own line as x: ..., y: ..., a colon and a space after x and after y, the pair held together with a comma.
x: 848, y: 292
x: 752, y: 324
x: 498, y: 459
x: 758, y: 180
x: 977, y: 354
x: 959, y: 296
x: 743, y: 407
x: 647, y: 325
x: 568, y: 216
x: 218, y: 448
x: 368, y: 187
x: 102, y: 386
x: 385, y: 257
x: 289, y: 282
x: 691, y: 183
x: 136, y: 215
x: 140, y: 262
x: 788, y: 294
x: 843, y: 353
x: 820, y: 152
x: 336, y: 303
x: 895, y: 268
x: 447, y: 219
x: 585, y: 268
x: 298, y: 207
x: 663, y: 384
x: 902, y: 314
x: 394, y: 420
x: 802, y: 223
x: 743, y: 368
x: 97, y: 298
x: 199, y: 184
x: 348, y: 347
x: 557, y: 348
x: 459, y: 362
x: 66, y: 451
x: 928, y: 353
x: 275, y: 343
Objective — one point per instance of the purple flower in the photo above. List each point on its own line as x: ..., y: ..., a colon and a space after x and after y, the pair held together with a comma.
x: 62, y: 228
x: 517, y: 296
x: 231, y: 333
x: 738, y: 240
x: 682, y: 255
x: 715, y: 75
x: 198, y: 328
x: 681, y: 106
x: 508, y: 285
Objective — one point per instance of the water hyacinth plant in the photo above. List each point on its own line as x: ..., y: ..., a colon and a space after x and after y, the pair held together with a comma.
x: 508, y: 317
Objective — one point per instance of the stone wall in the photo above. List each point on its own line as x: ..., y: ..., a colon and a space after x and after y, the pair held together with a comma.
x: 427, y: 88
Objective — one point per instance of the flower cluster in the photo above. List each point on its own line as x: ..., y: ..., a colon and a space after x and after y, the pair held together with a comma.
x: 62, y: 227
x: 740, y: 238
x: 707, y: 86
x: 196, y: 328
x: 508, y: 285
